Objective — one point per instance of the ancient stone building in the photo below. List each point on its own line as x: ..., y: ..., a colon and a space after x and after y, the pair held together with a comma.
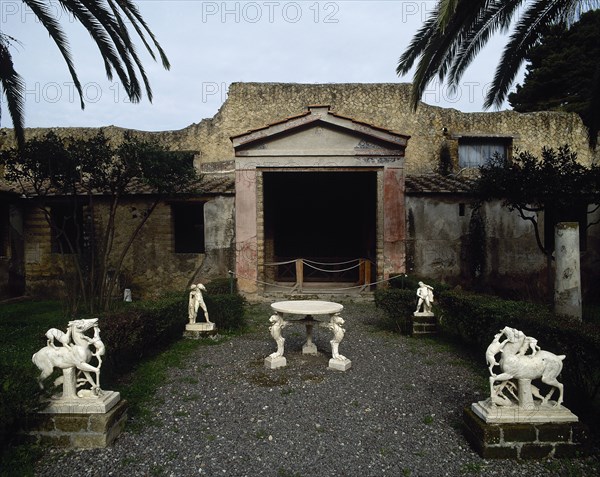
x: 329, y: 173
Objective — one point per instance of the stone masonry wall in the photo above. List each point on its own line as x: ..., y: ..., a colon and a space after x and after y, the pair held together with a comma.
x: 151, y: 266
x: 255, y: 105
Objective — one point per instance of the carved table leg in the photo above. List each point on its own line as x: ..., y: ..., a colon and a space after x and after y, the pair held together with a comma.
x: 309, y: 347
x: 276, y: 359
x: 337, y: 361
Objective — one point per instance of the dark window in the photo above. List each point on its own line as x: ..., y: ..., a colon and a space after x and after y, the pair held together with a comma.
x: 188, y: 227
x: 66, y: 224
x: 576, y: 213
x: 461, y: 210
x: 475, y: 152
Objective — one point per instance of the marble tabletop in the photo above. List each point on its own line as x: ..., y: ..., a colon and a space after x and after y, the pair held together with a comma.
x: 307, y: 307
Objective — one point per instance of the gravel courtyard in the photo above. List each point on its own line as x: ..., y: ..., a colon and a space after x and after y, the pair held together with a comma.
x: 396, y: 412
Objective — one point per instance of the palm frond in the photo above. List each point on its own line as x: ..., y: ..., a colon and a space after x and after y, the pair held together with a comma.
x: 496, y: 18
x: 437, y: 56
x: 536, y: 18
x: 45, y: 16
x: 417, y: 45
x: 133, y: 14
x: 13, y: 88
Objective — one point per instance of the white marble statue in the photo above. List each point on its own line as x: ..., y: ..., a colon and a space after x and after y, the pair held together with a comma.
x: 335, y: 324
x: 522, y: 360
x: 72, y: 352
x: 196, y: 302
x: 278, y: 323
x: 425, y: 301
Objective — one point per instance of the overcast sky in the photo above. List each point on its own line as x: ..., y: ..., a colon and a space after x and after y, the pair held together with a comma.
x: 212, y: 44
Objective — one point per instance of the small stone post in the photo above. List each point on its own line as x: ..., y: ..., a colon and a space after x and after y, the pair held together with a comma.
x: 567, y: 279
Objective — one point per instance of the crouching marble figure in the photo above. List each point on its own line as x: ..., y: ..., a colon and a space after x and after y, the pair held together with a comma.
x: 425, y: 300
x: 79, y: 356
x: 513, y: 397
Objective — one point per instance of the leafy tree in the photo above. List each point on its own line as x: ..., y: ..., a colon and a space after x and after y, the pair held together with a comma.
x: 456, y: 30
x: 92, y: 177
x: 106, y: 21
x: 556, y: 185
x: 561, y: 71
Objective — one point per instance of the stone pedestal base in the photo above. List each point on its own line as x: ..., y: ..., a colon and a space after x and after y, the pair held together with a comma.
x: 274, y: 363
x: 199, y: 330
x: 514, y: 414
x: 78, y: 430
x: 424, y: 323
x: 340, y: 364
x: 310, y: 348
x: 524, y: 440
x: 93, y: 405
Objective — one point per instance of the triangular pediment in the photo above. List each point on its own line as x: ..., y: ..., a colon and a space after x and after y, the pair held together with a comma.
x: 319, y: 132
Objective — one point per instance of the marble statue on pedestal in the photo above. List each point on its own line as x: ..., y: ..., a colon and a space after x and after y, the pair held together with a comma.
x: 513, y: 397
x: 425, y: 300
x: 79, y: 356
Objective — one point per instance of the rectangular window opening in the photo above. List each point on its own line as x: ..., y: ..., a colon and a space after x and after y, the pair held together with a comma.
x: 188, y: 227
x: 476, y: 152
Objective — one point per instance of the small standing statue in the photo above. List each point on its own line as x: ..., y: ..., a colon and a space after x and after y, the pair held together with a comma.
x: 71, y: 352
x: 425, y: 294
x: 196, y: 302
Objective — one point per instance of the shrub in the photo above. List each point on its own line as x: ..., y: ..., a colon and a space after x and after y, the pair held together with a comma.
x: 399, y: 306
x: 226, y: 311
x: 140, y: 330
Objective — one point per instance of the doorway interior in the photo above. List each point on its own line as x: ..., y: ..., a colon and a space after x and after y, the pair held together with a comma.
x: 327, y: 218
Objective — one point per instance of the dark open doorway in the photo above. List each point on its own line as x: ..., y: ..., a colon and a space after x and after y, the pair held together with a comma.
x: 324, y: 217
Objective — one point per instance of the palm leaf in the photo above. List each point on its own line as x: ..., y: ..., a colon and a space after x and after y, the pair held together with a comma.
x: 13, y: 88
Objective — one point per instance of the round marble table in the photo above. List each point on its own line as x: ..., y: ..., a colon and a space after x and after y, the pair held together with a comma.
x: 308, y: 309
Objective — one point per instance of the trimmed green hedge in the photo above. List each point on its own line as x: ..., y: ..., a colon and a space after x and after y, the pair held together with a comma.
x: 145, y: 328
x: 140, y: 330
x: 399, y: 306
x: 226, y: 311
